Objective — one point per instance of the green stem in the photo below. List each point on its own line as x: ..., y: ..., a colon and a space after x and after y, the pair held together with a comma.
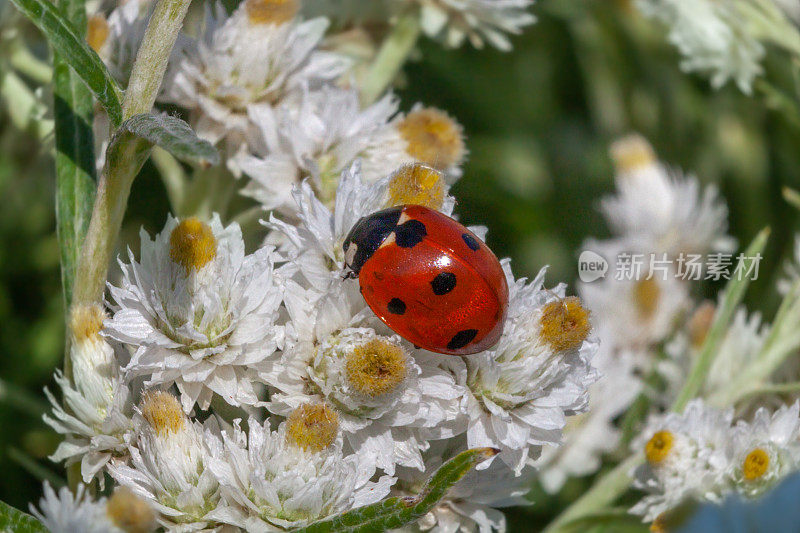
x: 173, y: 177
x: 602, y: 494
x: 390, y: 58
x: 28, y: 64
x: 153, y: 56
x: 121, y: 169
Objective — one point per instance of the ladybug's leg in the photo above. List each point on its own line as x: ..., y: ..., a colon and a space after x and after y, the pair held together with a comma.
x: 350, y: 275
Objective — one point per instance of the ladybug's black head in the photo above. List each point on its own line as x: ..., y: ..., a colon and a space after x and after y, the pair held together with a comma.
x: 367, y: 236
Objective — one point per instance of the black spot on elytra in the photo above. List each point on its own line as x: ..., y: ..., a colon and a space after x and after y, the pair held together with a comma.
x: 470, y: 241
x: 443, y: 283
x: 410, y: 233
x: 461, y: 339
x: 396, y: 306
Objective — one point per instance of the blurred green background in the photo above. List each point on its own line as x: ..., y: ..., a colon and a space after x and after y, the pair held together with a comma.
x: 538, y: 120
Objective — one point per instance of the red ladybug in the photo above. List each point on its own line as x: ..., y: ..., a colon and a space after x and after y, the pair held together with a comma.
x: 429, y: 278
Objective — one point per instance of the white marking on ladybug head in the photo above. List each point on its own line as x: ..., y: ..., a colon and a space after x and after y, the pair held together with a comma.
x: 403, y: 218
x: 350, y: 253
x: 387, y: 241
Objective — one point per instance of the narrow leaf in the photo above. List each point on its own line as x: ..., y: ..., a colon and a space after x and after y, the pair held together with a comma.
x: 170, y: 133
x: 70, y: 44
x: 12, y: 519
x: 75, y: 161
x: 397, y: 512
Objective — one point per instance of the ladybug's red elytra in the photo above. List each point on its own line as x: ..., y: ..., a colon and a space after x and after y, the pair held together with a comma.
x: 429, y: 279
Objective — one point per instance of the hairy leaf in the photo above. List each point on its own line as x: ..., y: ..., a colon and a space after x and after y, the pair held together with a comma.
x: 397, y: 512
x: 75, y: 161
x: 73, y: 48
x: 12, y: 519
x: 170, y: 133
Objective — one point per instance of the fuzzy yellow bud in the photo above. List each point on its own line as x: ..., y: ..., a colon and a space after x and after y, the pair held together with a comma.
x: 312, y: 427
x: 192, y: 244
x: 417, y: 184
x: 755, y: 464
x: 658, y: 447
x: 646, y: 297
x: 129, y: 512
x: 163, y: 412
x: 86, y: 321
x: 271, y: 11
x: 97, y: 32
x: 564, y: 324
x: 433, y: 138
x: 632, y: 153
x: 376, y: 367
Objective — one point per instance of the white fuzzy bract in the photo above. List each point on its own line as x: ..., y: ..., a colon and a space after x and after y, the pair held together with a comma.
x: 713, y: 37
x: 477, y: 20
x: 272, y: 485
x: 207, y: 329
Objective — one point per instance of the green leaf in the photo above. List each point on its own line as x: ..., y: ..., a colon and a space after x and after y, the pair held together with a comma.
x: 75, y: 161
x: 15, y: 520
x: 397, y: 512
x: 71, y: 45
x: 170, y: 133
x: 733, y: 294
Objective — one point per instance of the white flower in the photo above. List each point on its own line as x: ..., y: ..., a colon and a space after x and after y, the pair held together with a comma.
x: 713, y: 37
x: 522, y: 390
x: 476, y: 20
x: 96, y: 421
x: 169, y: 463
x: 68, y: 513
x: 589, y: 435
x: 258, y: 55
x: 435, y: 139
x: 117, y: 39
x: 766, y: 449
x: 471, y: 504
x: 661, y: 210
x: 316, y: 136
x: 389, y: 402
x: 270, y: 484
x: 686, y: 458
x: 199, y: 312
x: 639, y: 312
x: 742, y: 343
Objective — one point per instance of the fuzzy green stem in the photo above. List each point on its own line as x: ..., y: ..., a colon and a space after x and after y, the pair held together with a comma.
x: 122, y: 166
x: 390, y: 58
x: 153, y: 56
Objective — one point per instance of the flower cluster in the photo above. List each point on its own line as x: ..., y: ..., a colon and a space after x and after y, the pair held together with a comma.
x: 255, y: 389
x: 704, y: 455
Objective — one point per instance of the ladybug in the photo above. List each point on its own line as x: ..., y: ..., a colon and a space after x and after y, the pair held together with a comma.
x: 429, y: 279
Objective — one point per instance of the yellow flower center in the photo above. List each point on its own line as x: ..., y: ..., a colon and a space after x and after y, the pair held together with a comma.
x: 129, y: 512
x: 658, y: 447
x: 755, y: 464
x: 416, y: 184
x: 433, y: 138
x: 97, y: 32
x: 632, y: 153
x: 271, y: 11
x: 376, y: 367
x: 564, y: 324
x: 659, y: 525
x: 192, y: 244
x: 700, y: 323
x: 86, y: 321
x: 312, y: 427
x: 646, y: 296
x: 163, y: 412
